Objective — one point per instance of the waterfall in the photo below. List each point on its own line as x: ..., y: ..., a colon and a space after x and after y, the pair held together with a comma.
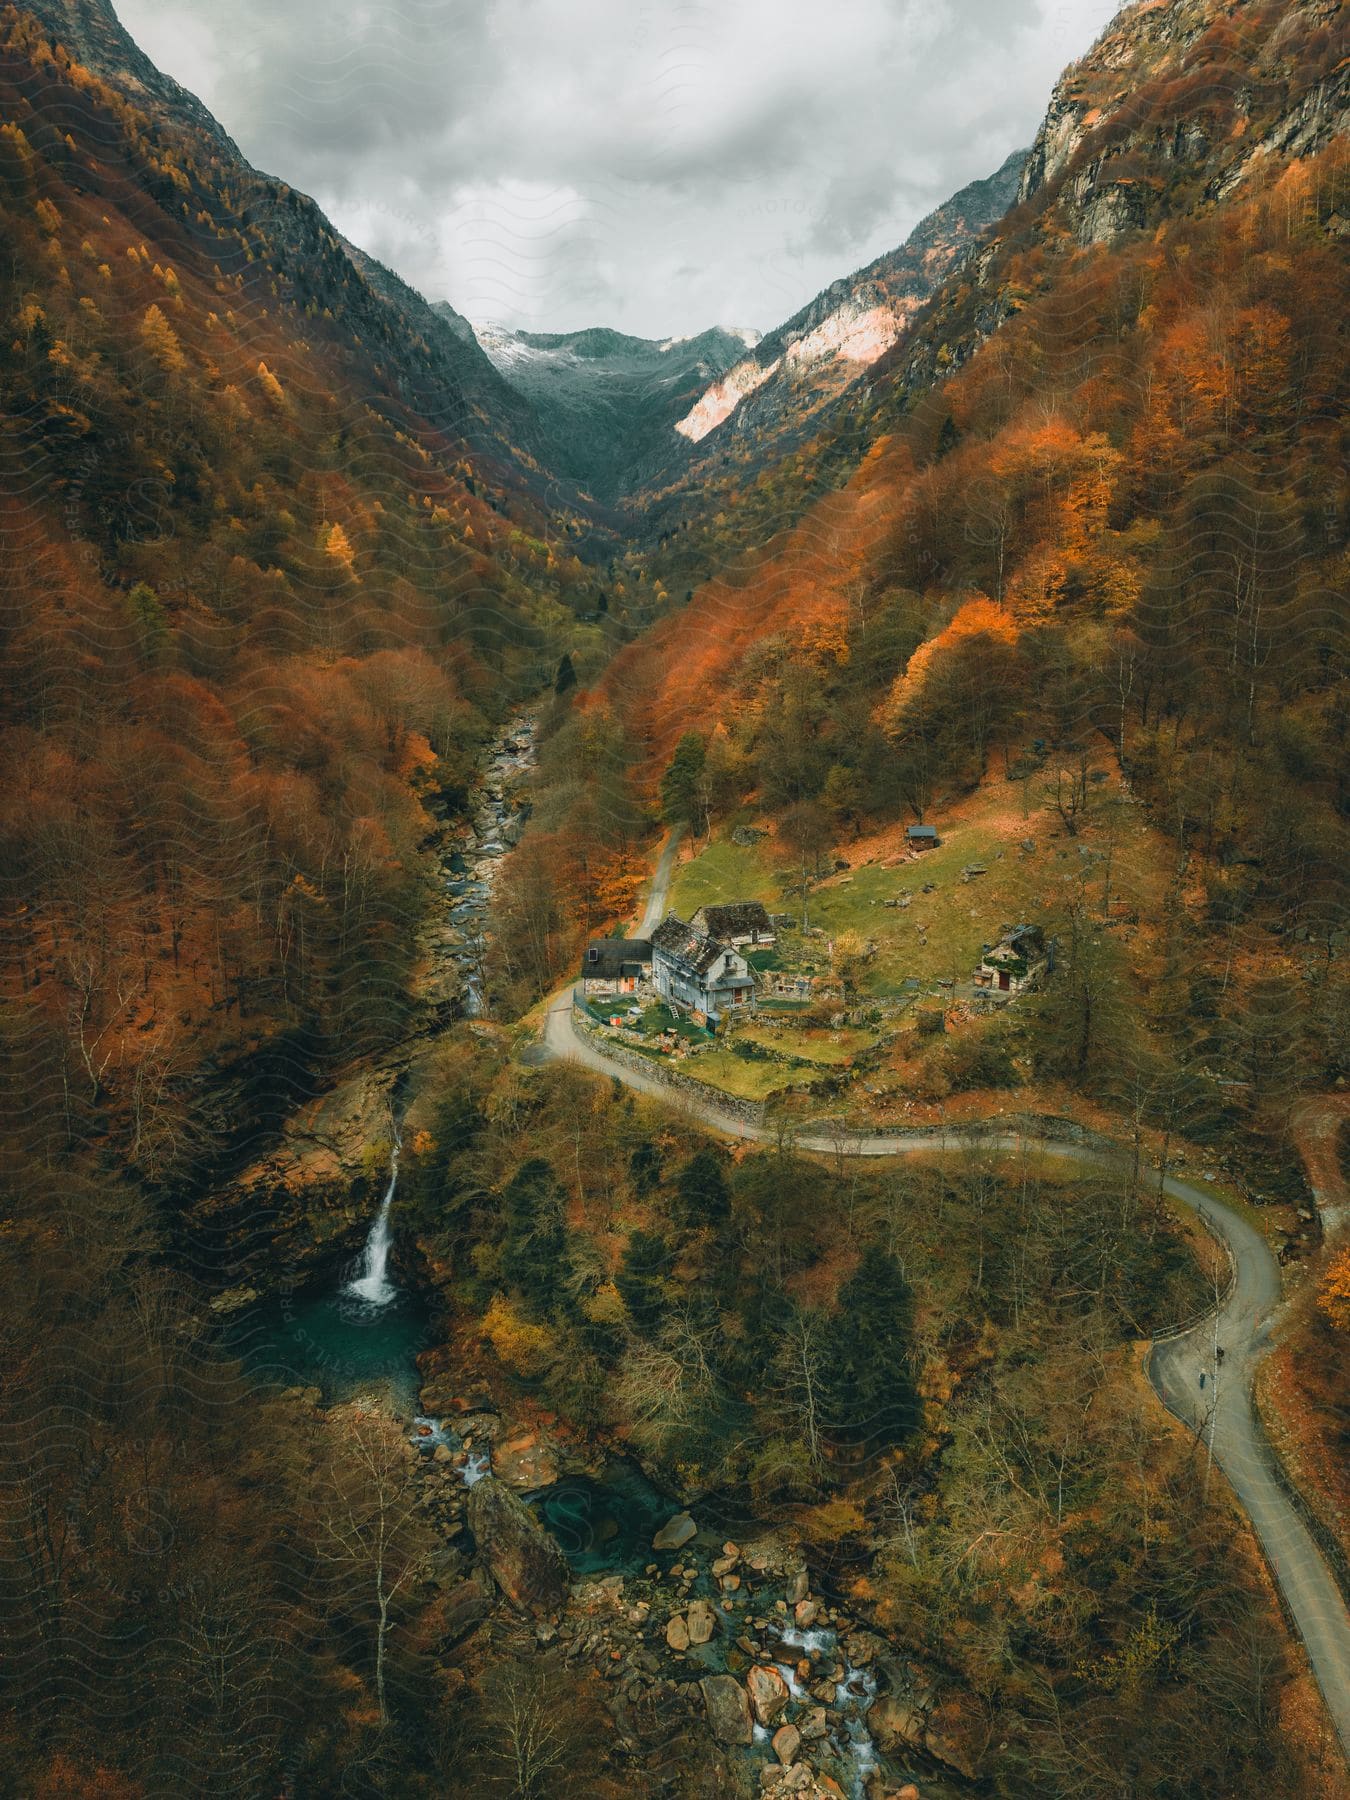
x: 372, y: 1284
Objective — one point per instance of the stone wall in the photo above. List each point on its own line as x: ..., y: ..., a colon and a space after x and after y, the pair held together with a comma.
x: 749, y: 1112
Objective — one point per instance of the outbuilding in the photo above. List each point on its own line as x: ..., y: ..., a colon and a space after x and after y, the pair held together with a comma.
x: 616, y: 965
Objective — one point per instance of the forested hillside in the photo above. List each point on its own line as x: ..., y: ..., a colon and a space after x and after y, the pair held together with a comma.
x: 1100, y: 503
x: 267, y: 569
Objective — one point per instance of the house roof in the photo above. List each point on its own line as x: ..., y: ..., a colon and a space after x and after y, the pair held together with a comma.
x: 1023, y: 941
x: 921, y: 831
x: 608, y: 957
x: 734, y: 918
x: 686, y: 945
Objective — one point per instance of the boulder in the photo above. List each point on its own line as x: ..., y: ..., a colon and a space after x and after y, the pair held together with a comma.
x: 806, y: 1612
x: 677, y: 1632
x: 728, y: 1709
x: 863, y: 1647
x: 895, y: 1723
x: 798, y: 1588
x: 515, y: 1550
x: 768, y: 1692
x: 701, y: 1619
x: 525, y: 1460
x: 675, y: 1533
x: 787, y: 1741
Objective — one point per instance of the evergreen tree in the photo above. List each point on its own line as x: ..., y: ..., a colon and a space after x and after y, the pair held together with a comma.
x: 639, y: 1280
x: 533, y: 1256
x: 566, y: 677
x: 680, y: 785
x: 870, y: 1397
x: 705, y: 1198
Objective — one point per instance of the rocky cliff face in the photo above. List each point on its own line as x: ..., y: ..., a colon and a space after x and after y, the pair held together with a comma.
x: 1181, y: 86
x: 1169, y: 113
x: 823, y: 349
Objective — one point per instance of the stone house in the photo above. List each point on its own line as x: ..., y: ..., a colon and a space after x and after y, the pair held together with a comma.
x: 615, y: 966
x: 737, y: 922
x: 700, y: 973
x: 1014, y: 964
x: 922, y: 837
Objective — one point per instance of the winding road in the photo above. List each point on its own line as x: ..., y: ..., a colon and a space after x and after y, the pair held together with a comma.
x: 1203, y: 1375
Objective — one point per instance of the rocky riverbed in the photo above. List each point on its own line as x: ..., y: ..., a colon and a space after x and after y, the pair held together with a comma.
x: 689, y: 1631
x: 453, y: 976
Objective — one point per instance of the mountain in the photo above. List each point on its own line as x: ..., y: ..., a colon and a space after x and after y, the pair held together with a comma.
x: 1158, y: 307
x: 273, y: 542
x: 827, y: 345
x: 424, y: 360
x: 625, y: 417
x: 607, y: 404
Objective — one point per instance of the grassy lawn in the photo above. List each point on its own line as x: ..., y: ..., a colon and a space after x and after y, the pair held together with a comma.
x: 734, y: 1075
x: 985, y: 828
x: 825, y: 1047
x: 659, y: 1018
x: 724, y: 871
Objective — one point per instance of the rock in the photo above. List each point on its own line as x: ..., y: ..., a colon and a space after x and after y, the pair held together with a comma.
x: 675, y: 1533
x: 813, y: 1726
x: 524, y: 1460
x: 768, y: 1692
x: 232, y: 1300
x: 895, y: 1723
x: 723, y: 1565
x: 442, y: 1454
x: 806, y: 1612
x: 798, y: 1588
x: 908, y: 1792
x: 730, y: 1583
x: 677, y: 1632
x: 515, y: 1550
x: 948, y: 1737
x: 863, y: 1647
x: 701, y: 1620
x: 825, y: 1692
x: 482, y: 1427
x: 787, y: 1741
x: 728, y: 1709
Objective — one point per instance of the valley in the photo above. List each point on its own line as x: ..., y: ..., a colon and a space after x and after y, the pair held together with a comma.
x: 674, y: 1009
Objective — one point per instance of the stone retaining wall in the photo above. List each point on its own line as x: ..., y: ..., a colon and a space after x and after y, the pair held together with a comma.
x: 749, y: 1112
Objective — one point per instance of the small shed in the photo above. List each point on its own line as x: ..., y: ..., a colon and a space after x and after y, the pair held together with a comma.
x: 616, y: 965
x: 922, y: 837
x: 1015, y: 963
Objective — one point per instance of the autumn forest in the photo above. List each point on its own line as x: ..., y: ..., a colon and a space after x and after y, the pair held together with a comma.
x: 436, y: 1358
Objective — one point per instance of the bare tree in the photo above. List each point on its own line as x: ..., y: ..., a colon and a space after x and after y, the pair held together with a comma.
x: 371, y: 1525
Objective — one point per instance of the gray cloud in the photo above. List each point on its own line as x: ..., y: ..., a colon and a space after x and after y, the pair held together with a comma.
x: 656, y: 165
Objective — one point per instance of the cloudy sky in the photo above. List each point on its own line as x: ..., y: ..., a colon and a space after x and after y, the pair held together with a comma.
x: 654, y: 165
